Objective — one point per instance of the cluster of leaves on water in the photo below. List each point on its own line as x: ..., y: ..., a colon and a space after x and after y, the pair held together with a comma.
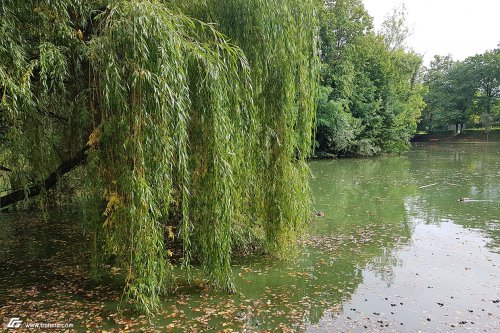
x: 48, y: 288
x: 193, y: 138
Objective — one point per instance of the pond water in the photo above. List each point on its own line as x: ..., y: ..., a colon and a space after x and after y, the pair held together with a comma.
x: 396, y: 251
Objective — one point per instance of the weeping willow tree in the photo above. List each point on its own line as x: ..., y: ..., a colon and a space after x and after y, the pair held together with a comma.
x: 279, y: 40
x: 186, y: 134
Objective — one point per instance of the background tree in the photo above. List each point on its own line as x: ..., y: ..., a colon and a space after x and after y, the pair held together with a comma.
x: 395, y: 29
x: 434, y: 78
x: 461, y: 91
x: 342, y: 26
x: 485, y: 73
x: 375, y: 93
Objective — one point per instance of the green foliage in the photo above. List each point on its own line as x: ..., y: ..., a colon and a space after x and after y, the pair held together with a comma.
x: 163, y: 79
x: 284, y: 64
x: 461, y: 92
x: 337, y: 129
x: 342, y: 24
x: 484, y: 72
x: 375, y: 98
x: 40, y: 124
x: 394, y: 28
x: 192, y: 138
x: 435, y: 78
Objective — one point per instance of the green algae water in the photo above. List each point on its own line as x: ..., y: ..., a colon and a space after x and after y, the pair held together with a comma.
x: 396, y: 251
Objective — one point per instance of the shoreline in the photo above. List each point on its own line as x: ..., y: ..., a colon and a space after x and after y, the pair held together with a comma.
x: 467, y: 136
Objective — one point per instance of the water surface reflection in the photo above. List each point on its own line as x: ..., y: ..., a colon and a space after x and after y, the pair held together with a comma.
x: 396, y: 251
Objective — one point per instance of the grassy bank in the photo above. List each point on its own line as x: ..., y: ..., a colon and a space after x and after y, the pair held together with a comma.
x: 470, y: 135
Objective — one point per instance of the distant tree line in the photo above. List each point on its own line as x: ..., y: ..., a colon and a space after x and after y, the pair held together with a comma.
x: 462, y: 92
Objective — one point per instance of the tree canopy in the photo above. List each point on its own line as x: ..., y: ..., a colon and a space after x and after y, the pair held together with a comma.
x: 187, y: 131
x: 372, y: 98
x: 462, y: 92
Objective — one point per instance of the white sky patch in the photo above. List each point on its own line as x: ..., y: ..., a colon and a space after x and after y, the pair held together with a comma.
x: 461, y: 28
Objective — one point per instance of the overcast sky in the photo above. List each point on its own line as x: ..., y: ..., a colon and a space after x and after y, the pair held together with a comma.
x: 460, y: 27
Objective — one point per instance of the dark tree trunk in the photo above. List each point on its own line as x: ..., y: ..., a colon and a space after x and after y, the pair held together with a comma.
x: 4, y: 168
x: 48, y: 183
